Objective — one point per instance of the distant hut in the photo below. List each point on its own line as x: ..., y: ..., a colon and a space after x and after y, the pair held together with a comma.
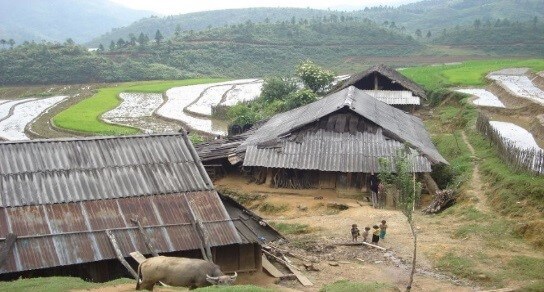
x: 65, y: 200
x: 387, y: 85
x: 335, y: 143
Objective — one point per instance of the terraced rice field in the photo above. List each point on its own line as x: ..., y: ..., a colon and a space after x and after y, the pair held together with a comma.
x: 191, y: 105
x: 136, y: 110
x: 16, y: 115
x: 520, y: 86
x: 522, y: 138
x: 485, y: 98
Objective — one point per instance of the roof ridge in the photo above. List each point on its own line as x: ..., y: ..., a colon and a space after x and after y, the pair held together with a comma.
x: 91, y: 138
x: 350, y: 97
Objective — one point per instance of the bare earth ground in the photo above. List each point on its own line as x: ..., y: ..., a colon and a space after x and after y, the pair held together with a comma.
x: 334, y: 228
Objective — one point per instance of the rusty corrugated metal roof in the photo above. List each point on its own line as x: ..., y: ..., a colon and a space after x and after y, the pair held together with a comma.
x: 73, y: 233
x: 329, y: 151
x: 395, y: 123
x: 59, y: 197
x: 72, y: 170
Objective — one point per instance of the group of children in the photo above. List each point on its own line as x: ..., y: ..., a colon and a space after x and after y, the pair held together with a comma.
x: 377, y: 233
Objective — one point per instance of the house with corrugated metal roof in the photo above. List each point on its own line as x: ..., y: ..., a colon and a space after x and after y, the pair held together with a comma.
x: 387, y: 85
x: 335, y: 142
x: 80, y: 206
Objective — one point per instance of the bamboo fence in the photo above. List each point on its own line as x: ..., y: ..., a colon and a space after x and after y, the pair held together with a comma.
x: 520, y: 159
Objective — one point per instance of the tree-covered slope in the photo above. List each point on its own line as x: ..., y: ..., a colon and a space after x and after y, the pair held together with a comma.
x: 247, y: 50
x: 204, y: 20
x: 253, y: 50
x: 435, y: 15
x: 498, y: 37
x: 57, y: 20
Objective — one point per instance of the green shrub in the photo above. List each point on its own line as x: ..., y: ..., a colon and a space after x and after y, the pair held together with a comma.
x: 295, y: 228
x: 270, y: 208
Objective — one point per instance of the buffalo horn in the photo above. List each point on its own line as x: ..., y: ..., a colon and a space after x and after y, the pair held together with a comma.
x: 234, y: 277
x: 212, y: 278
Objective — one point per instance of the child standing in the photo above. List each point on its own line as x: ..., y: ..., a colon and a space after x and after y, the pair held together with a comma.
x: 383, y: 229
x: 366, y: 233
x: 375, y: 234
x: 354, y: 232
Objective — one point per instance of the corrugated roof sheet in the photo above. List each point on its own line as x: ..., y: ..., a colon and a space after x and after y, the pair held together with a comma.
x: 394, y: 97
x: 329, y: 151
x: 72, y: 170
x: 387, y: 72
x: 74, y: 233
x: 395, y: 123
x: 59, y: 197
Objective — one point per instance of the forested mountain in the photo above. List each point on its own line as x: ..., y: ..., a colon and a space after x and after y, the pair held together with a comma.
x: 246, y: 50
x: 207, y: 19
x: 435, y: 15
x: 58, y: 20
x: 429, y: 15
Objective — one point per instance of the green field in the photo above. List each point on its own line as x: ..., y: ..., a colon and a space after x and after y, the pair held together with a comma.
x: 85, y: 115
x: 470, y: 73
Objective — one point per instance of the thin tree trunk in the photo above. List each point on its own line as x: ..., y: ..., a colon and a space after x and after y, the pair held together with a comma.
x: 413, y: 257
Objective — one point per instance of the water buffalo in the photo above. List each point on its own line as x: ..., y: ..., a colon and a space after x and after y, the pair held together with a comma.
x: 184, y: 272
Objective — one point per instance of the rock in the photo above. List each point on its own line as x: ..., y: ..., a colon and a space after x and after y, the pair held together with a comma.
x: 302, y: 208
x: 378, y: 262
x: 483, y: 277
x: 334, y: 264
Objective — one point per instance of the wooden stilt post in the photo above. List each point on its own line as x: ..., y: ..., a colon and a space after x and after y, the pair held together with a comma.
x: 147, y: 240
x: 119, y: 255
x: 8, y: 245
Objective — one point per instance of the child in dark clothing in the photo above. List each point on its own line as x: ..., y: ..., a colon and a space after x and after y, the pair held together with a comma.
x: 354, y: 232
x: 375, y: 234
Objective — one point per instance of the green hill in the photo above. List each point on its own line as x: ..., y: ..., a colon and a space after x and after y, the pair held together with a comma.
x: 498, y: 37
x: 252, y: 50
x: 435, y: 15
x: 58, y: 20
x: 204, y: 20
x: 247, y: 50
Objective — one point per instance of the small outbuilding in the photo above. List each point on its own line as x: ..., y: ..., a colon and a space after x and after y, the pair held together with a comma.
x: 387, y: 85
x: 79, y: 207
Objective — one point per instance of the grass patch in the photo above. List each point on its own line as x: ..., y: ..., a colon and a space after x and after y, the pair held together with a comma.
x: 527, y: 268
x: 270, y: 208
x: 348, y: 286
x: 470, y: 73
x: 245, y: 199
x: 462, y: 267
x: 85, y: 116
x: 55, y: 284
x: 295, y: 228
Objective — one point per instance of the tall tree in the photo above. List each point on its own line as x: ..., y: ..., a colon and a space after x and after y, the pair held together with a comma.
x: 11, y: 43
x: 143, y: 39
x: 112, y: 46
x: 132, y: 39
x: 477, y: 23
x: 158, y: 37
x: 3, y: 42
x: 100, y: 48
x: 313, y: 76
x: 418, y: 33
x: 429, y: 34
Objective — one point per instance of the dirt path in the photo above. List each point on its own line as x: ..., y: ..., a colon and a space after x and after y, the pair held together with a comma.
x: 476, y: 187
